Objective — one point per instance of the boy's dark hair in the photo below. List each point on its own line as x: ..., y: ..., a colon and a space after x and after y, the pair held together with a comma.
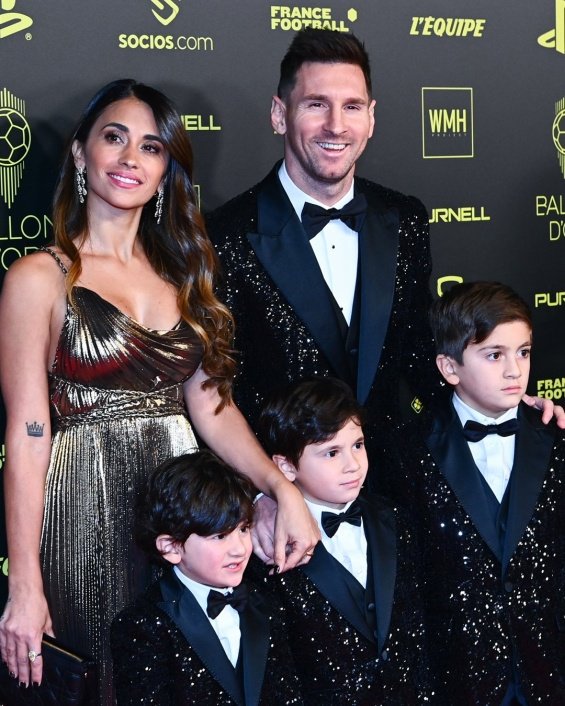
x: 192, y: 494
x: 306, y: 412
x: 324, y: 46
x: 469, y: 313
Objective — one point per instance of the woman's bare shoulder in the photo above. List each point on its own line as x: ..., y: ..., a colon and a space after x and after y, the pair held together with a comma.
x: 36, y: 270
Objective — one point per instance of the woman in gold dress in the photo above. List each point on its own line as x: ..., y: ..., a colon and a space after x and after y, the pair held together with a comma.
x: 113, y: 346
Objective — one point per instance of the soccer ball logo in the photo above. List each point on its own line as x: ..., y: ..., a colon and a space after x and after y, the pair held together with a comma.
x: 558, y: 131
x: 15, y: 137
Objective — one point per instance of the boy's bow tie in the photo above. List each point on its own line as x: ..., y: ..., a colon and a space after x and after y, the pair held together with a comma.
x: 475, y: 431
x: 218, y: 601
x: 331, y: 520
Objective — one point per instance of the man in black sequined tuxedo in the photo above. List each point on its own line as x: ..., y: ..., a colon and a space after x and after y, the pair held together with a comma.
x: 352, y: 300
x: 487, y: 484
x: 353, y: 612
x: 199, y: 636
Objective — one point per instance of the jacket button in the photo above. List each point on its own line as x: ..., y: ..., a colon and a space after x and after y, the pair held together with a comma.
x: 370, y: 606
x: 508, y: 586
x: 384, y: 656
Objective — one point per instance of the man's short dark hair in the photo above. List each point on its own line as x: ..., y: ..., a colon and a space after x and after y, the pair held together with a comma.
x: 192, y: 494
x: 469, y: 313
x: 324, y: 46
x: 306, y: 412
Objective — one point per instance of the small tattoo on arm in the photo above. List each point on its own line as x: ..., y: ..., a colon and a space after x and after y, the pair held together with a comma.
x: 34, y: 429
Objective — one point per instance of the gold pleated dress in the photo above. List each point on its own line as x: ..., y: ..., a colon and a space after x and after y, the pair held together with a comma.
x: 117, y: 412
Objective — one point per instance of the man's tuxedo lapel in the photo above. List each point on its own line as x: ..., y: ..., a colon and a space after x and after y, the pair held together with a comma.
x: 455, y: 461
x: 534, y: 444
x: 254, y: 646
x: 380, y: 530
x: 378, y: 248
x: 321, y: 570
x: 286, y: 254
x: 183, y: 609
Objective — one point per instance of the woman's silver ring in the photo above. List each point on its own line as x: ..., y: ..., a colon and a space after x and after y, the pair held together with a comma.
x: 32, y: 655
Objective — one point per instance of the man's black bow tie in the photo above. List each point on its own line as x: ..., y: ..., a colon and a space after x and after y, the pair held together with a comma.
x: 331, y: 520
x: 218, y: 601
x: 475, y: 431
x: 314, y: 217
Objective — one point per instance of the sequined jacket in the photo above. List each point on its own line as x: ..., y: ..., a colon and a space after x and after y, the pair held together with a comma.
x: 166, y: 653
x: 356, y: 647
x: 287, y: 326
x: 494, y: 601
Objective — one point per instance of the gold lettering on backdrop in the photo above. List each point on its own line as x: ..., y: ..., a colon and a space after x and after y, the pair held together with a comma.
x: 444, y: 121
x: 464, y: 214
x: 552, y: 207
x: 294, y: 18
x: 202, y: 123
x: 549, y: 299
x: 168, y: 10
x: 551, y: 388
x: 442, y: 282
x: 558, y: 133
x: 12, y: 22
x: 555, y: 38
x: 165, y: 42
x: 447, y: 26
x: 15, y: 141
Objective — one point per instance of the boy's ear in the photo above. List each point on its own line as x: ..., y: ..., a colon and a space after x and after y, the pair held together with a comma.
x: 284, y: 465
x: 448, y: 368
x: 168, y: 548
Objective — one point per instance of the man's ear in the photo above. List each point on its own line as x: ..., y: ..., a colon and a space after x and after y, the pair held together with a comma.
x: 448, y: 368
x: 371, y: 117
x: 284, y: 465
x: 278, y: 115
x: 168, y: 548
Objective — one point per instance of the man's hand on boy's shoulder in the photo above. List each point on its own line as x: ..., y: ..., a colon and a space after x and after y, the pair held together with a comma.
x: 548, y: 410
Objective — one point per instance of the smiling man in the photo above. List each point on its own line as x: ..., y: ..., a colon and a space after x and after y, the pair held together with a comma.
x: 327, y: 273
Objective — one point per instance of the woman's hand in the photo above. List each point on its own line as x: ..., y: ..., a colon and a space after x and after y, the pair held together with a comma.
x: 296, y: 532
x: 263, y: 529
x: 25, y: 619
x: 298, y: 546
x: 227, y: 433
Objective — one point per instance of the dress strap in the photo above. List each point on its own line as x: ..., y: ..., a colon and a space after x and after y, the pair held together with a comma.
x: 56, y: 257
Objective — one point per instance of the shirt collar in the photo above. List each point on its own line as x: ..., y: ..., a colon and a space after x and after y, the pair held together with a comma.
x: 199, y: 590
x: 298, y: 197
x: 316, y: 509
x: 465, y: 413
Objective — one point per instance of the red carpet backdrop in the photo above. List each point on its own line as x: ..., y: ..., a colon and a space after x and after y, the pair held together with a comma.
x: 470, y: 117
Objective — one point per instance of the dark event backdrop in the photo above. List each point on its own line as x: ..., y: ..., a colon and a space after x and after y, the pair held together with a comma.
x: 470, y: 117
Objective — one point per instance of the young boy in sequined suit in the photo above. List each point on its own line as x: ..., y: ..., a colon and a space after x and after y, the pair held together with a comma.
x: 199, y: 636
x: 353, y: 611
x: 486, y: 481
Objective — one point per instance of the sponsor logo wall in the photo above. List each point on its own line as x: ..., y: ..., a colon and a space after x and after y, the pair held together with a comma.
x: 470, y: 117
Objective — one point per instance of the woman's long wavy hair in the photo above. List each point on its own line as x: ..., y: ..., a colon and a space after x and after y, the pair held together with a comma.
x: 178, y: 248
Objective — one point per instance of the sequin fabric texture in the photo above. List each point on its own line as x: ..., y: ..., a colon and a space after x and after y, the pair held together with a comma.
x: 487, y: 617
x: 117, y: 411
x: 337, y: 664
x: 276, y: 347
x: 155, y: 663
